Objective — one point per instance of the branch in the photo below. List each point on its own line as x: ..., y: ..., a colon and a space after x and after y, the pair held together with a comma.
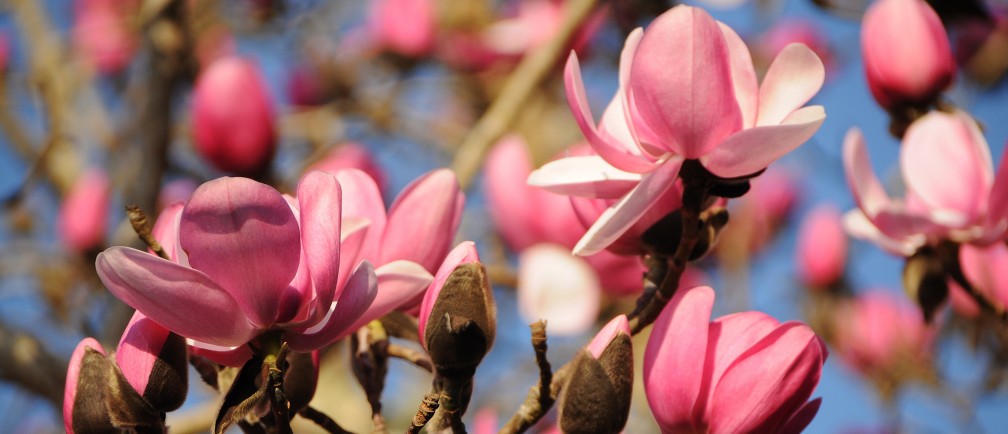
x: 322, y: 420
x: 537, y: 402
x: 142, y: 227
x: 415, y: 357
x: 25, y: 361
x: 428, y: 406
x: 519, y: 86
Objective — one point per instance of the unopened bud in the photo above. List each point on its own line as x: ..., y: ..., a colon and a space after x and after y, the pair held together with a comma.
x: 155, y: 362
x: 596, y: 398
x: 924, y: 281
x: 84, y: 408
x: 301, y: 378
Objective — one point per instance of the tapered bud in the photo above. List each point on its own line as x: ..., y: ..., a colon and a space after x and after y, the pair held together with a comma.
x: 924, y: 281
x: 301, y: 378
x: 596, y: 398
x: 84, y: 212
x: 232, y: 117
x: 155, y: 362
x: 83, y: 396
x: 458, y: 317
x: 822, y: 248
x: 907, y: 57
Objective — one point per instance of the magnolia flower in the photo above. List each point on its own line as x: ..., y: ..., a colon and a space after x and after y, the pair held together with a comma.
x: 102, y: 33
x: 246, y: 261
x: 232, y: 117
x: 704, y: 105
x: 743, y: 372
x: 984, y: 268
x: 879, y: 330
x: 822, y: 247
x: 84, y: 213
x: 907, y: 56
x: 952, y: 192
x: 405, y: 27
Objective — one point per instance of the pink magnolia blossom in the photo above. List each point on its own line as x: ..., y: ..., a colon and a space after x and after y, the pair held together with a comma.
x: 743, y: 372
x: 558, y: 287
x: 406, y: 27
x: 232, y: 117
x: 245, y: 261
x: 952, y: 192
x: 984, y: 267
x: 879, y: 329
x: 906, y: 53
x: 351, y: 155
x: 103, y: 35
x: 671, y: 107
x: 822, y: 247
x: 517, y: 210
x: 84, y: 213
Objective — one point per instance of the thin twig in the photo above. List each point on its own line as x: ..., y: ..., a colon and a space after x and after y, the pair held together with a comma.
x: 415, y: 357
x: 519, y: 86
x: 142, y: 227
x: 523, y: 418
x: 428, y: 406
x: 323, y: 420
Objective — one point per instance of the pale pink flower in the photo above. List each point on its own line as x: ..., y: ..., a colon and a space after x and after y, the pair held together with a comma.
x: 245, y: 261
x: 351, y: 155
x: 743, y: 372
x: 84, y: 213
x: 406, y: 27
x: 952, y: 192
x: 103, y: 35
x: 985, y: 267
x: 906, y: 51
x: 879, y: 329
x: 558, y: 287
x: 232, y: 117
x: 821, y: 254
x: 671, y: 107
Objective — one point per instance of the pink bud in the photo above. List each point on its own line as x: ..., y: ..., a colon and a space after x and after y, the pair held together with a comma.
x: 84, y: 212
x: 596, y: 398
x: 907, y: 56
x: 879, y: 329
x: 405, y: 27
x: 604, y: 337
x: 822, y: 247
x: 351, y: 155
x: 232, y: 120
x: 82, y: 371
x: 103, y: 35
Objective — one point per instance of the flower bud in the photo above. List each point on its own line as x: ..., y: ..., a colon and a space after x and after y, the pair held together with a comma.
x: 301, y: 378
x: 822, y: 248
x: 924, y: 281
x: 155, y: 362
x: 596, y: 398
x: 86, y: 379
x: 458, y: 317
x: 907, y: 57
x: 405, y: 27
x: 84, y: 212
x: 232, y: 120
x: 102, y: 33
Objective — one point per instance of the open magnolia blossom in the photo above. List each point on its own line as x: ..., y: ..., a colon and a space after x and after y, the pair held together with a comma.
x: 687, y: 91
x: 952, y: 192
x: 245, y: 261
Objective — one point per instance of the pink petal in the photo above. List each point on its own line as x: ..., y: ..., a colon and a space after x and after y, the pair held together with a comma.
x: 858, y: 226
x: 558, y: 287
x: 984, y: 267
x: 183, y: 300
x: 464, y: 253
x: 353, y: 302
x: 868, y: 191
x: 353, y: 242
x: 399, y: 282
x: 618, y: 275
x: 997, y: 203
x: 243, y: 236
x: 617, y: 154
x: 602, y: 339
x: 84, y: 213
x: 625, y: 64
x: 362, y: 199
x: 728, y: 338
x: 801, y: 418
x: 675, y: 356
x: 165, y: 229
x: 584, y: 176
x: 620, y: 217
x: 752, y: 150
x: 681, y: 84
x: 138, y: 349
x: 769, y: 382
x: 233, y: 357
x: 319, y: 200
x: 743, y: 76
x: 944, y: 165
x: 72, y: 378
x: 510, y: 200
x: 793, y: 78
x: 423, y: 219
x: 822, y: 247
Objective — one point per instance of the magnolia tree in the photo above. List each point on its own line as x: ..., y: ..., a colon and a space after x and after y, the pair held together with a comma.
x: 252, y: 248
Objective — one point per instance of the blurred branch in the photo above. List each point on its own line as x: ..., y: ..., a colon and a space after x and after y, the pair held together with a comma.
x: 322, y: 420
x: 415, y: 357
x: 519, y: 86
x: 538, y: 402
x: 24, y: 361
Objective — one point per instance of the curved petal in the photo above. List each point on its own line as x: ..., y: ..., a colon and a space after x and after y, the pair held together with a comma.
x: 681, y: 84
x: 139, y: 347
x: 355, y: 233
x: 769, y: 383
x: 984, y: 267
x: 674, y: 358
x: 617, y: 154
x: 399, y: 282
x: 355, y: 300
x: 793, y: 78
x: 604, y: 337
x: 728, y: 338
x: 423, y: 219
x: 584, y: 176
x: 858, y: 226
x: 181, y: 299
x: 319, y: 201
x: 940, y: 143
x: 752, y: 150
x: 233, y: 357
x: 362, y: 199
x: 243, y: 235
x: 801, y: 418
x: 743, y: 76
x: 997, y: 203
x: 620, y: 217
x: 867, y: 190
x: 558, y: 287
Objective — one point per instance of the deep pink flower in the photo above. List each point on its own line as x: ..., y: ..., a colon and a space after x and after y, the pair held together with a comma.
x: 84, y: 213
x: 879, y: 329
x: 232, y: 117
x: 822, y: 247
x: 239, y: 243
x: 704, y: 105
x: 743, y: 372
x: 405, y: 27
x: 906, y: 53
x: 103, y: 35
x: 952, y: 192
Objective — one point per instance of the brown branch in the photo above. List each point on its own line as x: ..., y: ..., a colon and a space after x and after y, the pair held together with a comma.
x: 142, y: 227
x: 520, y: 85
x: 322, y: 420
x: 24, y: 361
x: 540, y: 402
x: 415, y: 357
x: 428, y: 406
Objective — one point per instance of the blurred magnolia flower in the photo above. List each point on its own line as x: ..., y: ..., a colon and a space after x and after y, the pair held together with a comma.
x: 906, y: 51
x: 788, y: 31
x: 245, y: 261
x: 821, y: 254
x: 670, y: 108
x: 757, y: 217
x: 558, y: 287
x: 952, y: 192
x: 84, y: 212
x: 351, y: 155
x: 743, y: 372
x: 879, y: 330
x: 984, y: 268
x: 232, y: 117
x: 405, y: 27
x: 103, y: 35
